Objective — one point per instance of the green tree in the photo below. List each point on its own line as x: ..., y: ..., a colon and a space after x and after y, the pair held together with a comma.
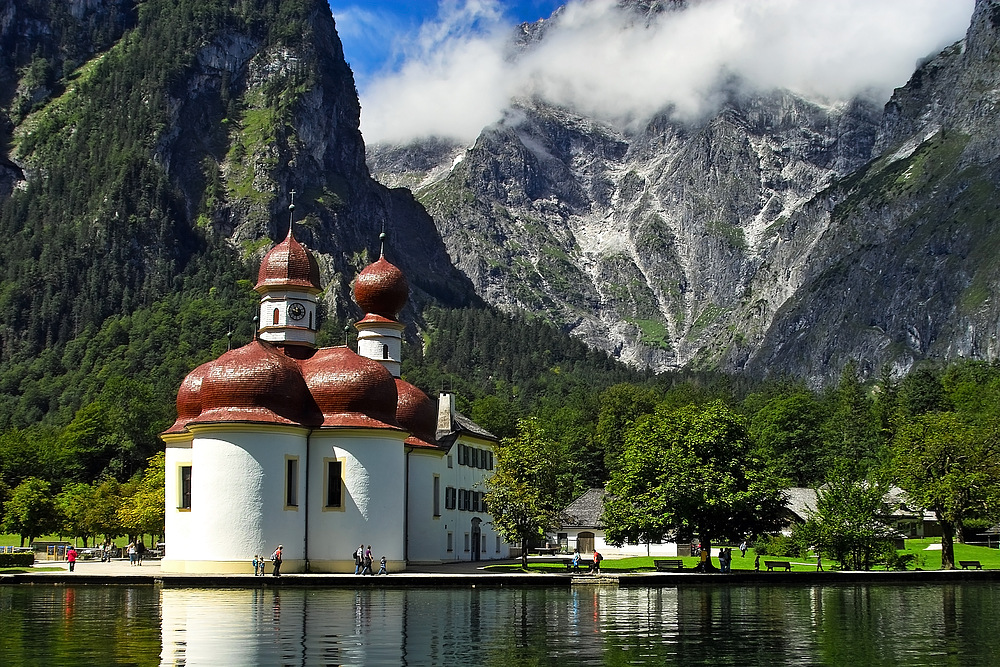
x: 521, y: 493
x: 788, y: 430
x: 687, y: 473
x: 951, y: 467
x: 849, y: 522
x: 76, y: 506
x: 31, y: 510
x: 621, y: 405
x: 850, y: 434
x: 142, y: 511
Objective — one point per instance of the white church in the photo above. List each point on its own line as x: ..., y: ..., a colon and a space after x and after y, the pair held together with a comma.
x: 321, y: 449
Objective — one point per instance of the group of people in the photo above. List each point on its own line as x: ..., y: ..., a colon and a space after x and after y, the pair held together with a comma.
x: 595, y: 564
x: 136, y: 550
x: 260, y: 564
x: 363, y: 561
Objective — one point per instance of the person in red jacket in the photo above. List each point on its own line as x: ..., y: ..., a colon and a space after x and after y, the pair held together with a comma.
x: 71, y: 557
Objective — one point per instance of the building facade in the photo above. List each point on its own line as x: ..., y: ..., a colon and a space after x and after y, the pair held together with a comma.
x: 319, y: 450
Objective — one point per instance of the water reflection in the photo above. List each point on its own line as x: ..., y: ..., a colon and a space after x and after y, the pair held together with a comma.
x: 591, y: 625
x: 586, y: 625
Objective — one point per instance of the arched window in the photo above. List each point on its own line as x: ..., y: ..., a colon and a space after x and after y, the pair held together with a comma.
x: 310, y: 320
x: 385, y: 351
x: 275, y: 318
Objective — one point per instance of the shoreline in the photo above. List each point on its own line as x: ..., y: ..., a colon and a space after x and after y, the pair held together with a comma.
x: 471, y: 575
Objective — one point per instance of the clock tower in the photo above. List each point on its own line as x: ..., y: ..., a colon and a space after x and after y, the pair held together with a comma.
x: 288, y: 284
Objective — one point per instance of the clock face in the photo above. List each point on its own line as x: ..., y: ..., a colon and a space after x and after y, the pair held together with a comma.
x: 296, y: 311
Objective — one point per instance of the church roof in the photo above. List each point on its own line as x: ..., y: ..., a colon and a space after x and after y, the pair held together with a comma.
x: 288, y: 264
x: 381, y: 289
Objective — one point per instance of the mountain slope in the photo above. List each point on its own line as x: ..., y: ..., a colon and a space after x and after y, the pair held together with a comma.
x: 777, y: 236
x: 178, y: 133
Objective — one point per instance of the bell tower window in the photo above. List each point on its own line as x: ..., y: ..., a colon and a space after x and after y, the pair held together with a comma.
x: 274, y: 319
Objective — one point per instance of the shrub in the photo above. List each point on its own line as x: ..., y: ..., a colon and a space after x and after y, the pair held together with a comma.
x: 17, y: 560
x: 777, y: 545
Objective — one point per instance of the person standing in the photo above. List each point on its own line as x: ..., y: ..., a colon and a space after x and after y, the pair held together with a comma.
x: 819, y: 561
x: 140, y: 551
x: 576, y: 559
x: 368, y: 561
x: 131, y: 553
x: 276, y: 559
x: 359, y: 559
x: 71, y: 557
x: 256, y: 564
x: 596, y: 567
x: 743, y: 548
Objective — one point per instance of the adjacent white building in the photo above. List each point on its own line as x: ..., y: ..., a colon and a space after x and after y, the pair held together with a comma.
x: 320, y: 450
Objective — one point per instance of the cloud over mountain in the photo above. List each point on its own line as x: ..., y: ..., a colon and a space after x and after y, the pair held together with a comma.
x: 458, y: 73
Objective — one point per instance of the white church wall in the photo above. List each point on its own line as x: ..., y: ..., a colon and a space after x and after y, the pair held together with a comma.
x: 372, y: 513
x: 425, y: 530
x: 238, y: 498
x: 177, y: 520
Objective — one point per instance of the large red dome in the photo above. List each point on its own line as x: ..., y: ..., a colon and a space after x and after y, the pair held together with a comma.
x: 381, y: 288
x: 256, y: 383
x: 288, y: 264
x: 351, y: 390
x: 417, y: 413
x: 189, y: 398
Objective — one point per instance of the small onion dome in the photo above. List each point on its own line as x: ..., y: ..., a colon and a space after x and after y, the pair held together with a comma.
x: 256, y: 383
x: 288, y: 264
x: 416, y: 412
x: 381, y: 288
x: 351, y: 390
x: 189, y: 398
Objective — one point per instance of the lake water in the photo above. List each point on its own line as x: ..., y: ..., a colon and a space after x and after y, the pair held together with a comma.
x: 585, y: 625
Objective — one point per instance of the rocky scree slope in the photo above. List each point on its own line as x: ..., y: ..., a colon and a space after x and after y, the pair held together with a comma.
x: 778, y: 236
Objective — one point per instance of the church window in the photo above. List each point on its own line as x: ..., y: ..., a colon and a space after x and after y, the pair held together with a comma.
x: 184, y: 497
x: 291, y: 482
x: 437, y: 495
x: 333, y: 482
x: 274, y: 318
x: 385, y: 351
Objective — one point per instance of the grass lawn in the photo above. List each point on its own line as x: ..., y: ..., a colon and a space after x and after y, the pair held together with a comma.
x: 11, y: 540
x: 925, y: 560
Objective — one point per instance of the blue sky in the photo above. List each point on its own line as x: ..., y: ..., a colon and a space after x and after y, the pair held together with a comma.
x: 374, y: 32
x: 447, y: 68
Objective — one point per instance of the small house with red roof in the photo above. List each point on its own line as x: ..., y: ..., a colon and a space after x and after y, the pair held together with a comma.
x: 321, y: 449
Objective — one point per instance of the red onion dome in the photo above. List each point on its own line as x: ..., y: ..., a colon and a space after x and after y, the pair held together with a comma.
x: 417, y: 413
x: 288, y: 264
x: 256, y: 383
x: 381, y: 288
x: 189, y: 398
x: 351, y: 390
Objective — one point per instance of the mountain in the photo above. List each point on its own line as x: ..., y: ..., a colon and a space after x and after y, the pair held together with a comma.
x: 778, y: 236
x: 148, y: 151
x: 140, y: 137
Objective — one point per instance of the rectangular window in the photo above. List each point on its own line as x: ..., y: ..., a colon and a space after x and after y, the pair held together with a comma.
x: 463, y: 455
x: 498, y: 544
x: 480, y: 458
x: 466, y: 542
x: 449, y: 461
x: 291, y: 482
x: 489, y: 459
x: 462, y: 499
x: 333, y: 482
x: 185, y: 491
x: 449, y: 498
x: 437, y: 495
x: 451, y: 541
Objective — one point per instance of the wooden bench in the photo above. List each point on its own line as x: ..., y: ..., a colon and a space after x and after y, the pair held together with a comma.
x: 665, y: 565
x: 780, y: 564
x: 966, y: 564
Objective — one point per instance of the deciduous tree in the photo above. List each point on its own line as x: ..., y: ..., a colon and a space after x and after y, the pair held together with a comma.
x: 687, y: 473
x: 521, y: 492
x: 31, y: 510
x: 951, y: 467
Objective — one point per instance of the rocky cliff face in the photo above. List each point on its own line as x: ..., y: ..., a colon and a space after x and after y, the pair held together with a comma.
x: 243, y: 102
x: 779, y: 236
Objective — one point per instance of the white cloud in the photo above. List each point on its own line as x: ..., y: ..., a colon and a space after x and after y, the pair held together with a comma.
x: 457, y: 73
